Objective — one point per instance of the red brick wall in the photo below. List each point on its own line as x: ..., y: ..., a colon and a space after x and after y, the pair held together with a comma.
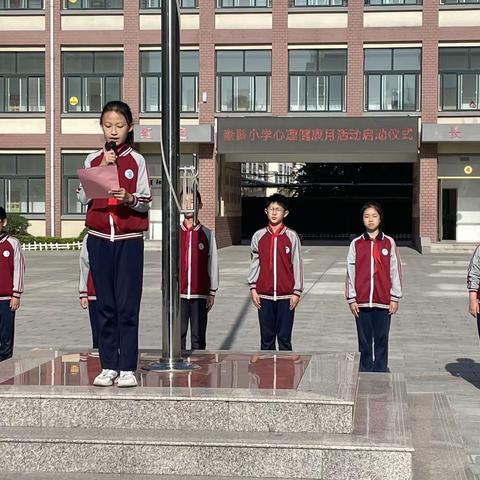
x: 428, y: 195
x: 280, y: 57
x: 355, y: 58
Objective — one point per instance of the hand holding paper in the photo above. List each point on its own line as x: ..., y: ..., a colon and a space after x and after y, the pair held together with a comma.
x: 97, y: 182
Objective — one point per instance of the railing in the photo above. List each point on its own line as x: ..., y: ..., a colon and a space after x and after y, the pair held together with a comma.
x: 317, y: 3
x: 157, y: 4
x: 39, y: 246
x: 392, y: 3
x: 244, y: 3
x: 459, y: 2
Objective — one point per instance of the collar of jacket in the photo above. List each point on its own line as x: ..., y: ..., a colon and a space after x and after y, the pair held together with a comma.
x: 380, y: 236
x: 280, y: 231
x: 3, y: 236
x: 119, y: 149
x: 185, y: 229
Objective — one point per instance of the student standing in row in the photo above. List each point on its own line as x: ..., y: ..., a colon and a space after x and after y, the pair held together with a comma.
x: 198, y: 278
x: 12, y: 269
x: 115, y: 247
x: 276, y: 276
x: 473, y: 286
x: 373, y: 288
x: 86, y: 291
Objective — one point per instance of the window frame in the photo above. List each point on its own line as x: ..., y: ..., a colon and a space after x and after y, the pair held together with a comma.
x: 82, y: 7
x: 24, y: 8
x: 103, y: 76
x: 160, y: 5
x: 243, y: 74
x: 319, y: 73
x: 400, y: 3
x: 219, y: 5
x: 292, y: 4
x: 392, y: 71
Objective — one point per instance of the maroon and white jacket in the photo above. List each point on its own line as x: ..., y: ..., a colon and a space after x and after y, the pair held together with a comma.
x: 198, y: 262
x: 106, y: 217
x: 86, y: 288
x: 12, y: 267
x: 374, y: 272
x: 276, y: 270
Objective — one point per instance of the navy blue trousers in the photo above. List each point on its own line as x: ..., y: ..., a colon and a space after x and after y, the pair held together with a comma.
x: 276, y: 323
x: 478, y: 324
x: 117, y: 273
x: 92, y: 313
x: 194, y: 313
x: 373, y: 327
x: 7, y: 330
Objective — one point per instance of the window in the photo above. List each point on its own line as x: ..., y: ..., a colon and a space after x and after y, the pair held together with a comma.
x: 392, y: 79
x: 317, y: 80
x: 318, y: 3
x: 22, y: 183
x: 21, y: 4
x: 146, y: 4
x: 71, y: 162
x: 91, y: 79
x: 93, y: 4
x: 151, y: 80
x: 392, y: 2
x: 459, y: 74
x: 457, y: 2
x: 244, y: 3
x: 22, y: 82
x: 243, y: 80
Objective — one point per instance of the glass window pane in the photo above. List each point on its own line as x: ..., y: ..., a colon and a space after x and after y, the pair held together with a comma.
x: 154, y: 165
x: 73, y: 94
x: 226, y: 90
x: 303, y: 60
x: 243, y: 94
x: 31, y: 62
x: 189, y: 62
x: 407, y: 59
x: 8, y: 165
x: 36, y: 4
x: 30, y: 165
x: 36, y: 101
x: 112, y: 89
x: 373, y: 92
x: 333, y: 61
x: 71, y: 162
x: 189, y: 94
x: 261, y: 95
x: 378, y: 59
x: 92, y: 94
x: 78, y: 62
x: 151, y: 62
x: 410, y: 92
x: 7, y: 62
x: 114, y: 4
x: 297, y: 93
x: 453, y: 59
x: 16, y: 195
x: 335, y: 89
x: 2, y: 192
x: 391, y: 90
x: 258, y: 61
x: 36, y: 195
x: 72, y: 204
x: 109, y: 62
x: 449, y: 91
x: 230, y: 61
x: 316, y: 93
x: 475, y: 58
x: 151, y: 94
x: 16, y: 94
x: 469, y: 91
x: 2, y: 94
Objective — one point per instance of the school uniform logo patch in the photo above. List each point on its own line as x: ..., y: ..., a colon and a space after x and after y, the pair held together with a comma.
x: 6, y: 253
x: 287, y: 249
x: 129, y: 174
x: 385, y: 252
x: 201, y: 246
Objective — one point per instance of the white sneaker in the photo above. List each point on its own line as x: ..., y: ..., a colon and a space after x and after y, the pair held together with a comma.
x: 105, y: 378
x: 127, y: 379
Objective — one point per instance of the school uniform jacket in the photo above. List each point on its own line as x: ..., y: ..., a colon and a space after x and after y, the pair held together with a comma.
x: 374, y: 272
x: 86, y: 288
x: 276, y: 270
x: 473, y: 275
x: 198, y: 262
x: 12, y: 267
x: 112, y: 220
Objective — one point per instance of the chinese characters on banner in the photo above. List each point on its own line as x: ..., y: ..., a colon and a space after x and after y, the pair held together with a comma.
x: 317, y: 135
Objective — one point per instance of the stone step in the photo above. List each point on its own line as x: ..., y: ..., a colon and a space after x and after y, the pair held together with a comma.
x: 118, y: 476
x: 202, y: 453
x: 322, y: 402
x: 454, y: 248
x: 380, y: 447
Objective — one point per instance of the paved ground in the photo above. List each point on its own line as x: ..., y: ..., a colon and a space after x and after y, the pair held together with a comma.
x: 434, y: 341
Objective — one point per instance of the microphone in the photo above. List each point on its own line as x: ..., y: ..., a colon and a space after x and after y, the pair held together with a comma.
x: 110, y: 145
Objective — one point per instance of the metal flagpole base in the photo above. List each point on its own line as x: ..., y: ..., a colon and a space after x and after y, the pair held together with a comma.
x: 167, y: 365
